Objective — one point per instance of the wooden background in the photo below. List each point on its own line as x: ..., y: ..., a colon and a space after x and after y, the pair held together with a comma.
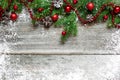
x: 90, y: 40
x: 22, y: 37
x: 89, y: 56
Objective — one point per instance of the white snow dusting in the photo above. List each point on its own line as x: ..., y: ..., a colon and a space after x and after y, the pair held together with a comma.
x: 114, y: 43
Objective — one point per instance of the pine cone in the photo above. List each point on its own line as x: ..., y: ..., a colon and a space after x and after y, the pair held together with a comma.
x: 4, y: 19
x: 47, y: 22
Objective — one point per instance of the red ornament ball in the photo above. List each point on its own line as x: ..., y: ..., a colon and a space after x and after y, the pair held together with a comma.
x: 105, y: 17
x: 40, y: 10
x: 13, y: 16
x: 64, y: 33
x: 90, y: 6
x: 55, y: 17
x: 75, y: 1
x: 15, y: 7
x: 116, y: 9
x: 68, y: 9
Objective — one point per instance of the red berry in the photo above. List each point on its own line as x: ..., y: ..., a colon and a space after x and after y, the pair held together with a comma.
x: 40, y: 10
x: 63, y: 33
x: 68, y: 9
x: 105, y: 17
x: 30, y: 0
x: 55, y: 17
x: 75, y: 1
x: 13, y: 16
x: 116, y: 9
x: 90, y: 6
x: 15, y: 7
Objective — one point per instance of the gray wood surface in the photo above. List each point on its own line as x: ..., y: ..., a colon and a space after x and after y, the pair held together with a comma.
x: 21, y: 38
x: 90, y: 40
x: 92, y: 52
x: 49, y: 67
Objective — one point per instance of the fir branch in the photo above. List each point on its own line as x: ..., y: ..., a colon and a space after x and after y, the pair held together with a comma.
x: 70, y: 26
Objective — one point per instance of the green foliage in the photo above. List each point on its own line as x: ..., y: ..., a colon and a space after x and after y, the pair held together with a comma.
x: 70, y: 25
x: 20, y: 6
x: 81, y: 6
x: 109, y: 22
x: 4, y: 3
x: 40, y: 4
x: 117, y: 19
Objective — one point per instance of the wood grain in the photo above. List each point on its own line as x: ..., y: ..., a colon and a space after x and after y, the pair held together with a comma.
x: 90, y: 40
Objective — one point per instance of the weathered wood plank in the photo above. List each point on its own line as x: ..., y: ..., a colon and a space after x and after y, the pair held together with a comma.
x: 36, y: 67
x: 22, y: 38
x: 90, y: 40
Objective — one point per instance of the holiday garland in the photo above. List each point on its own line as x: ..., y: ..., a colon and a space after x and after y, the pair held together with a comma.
x: 63, y: 13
